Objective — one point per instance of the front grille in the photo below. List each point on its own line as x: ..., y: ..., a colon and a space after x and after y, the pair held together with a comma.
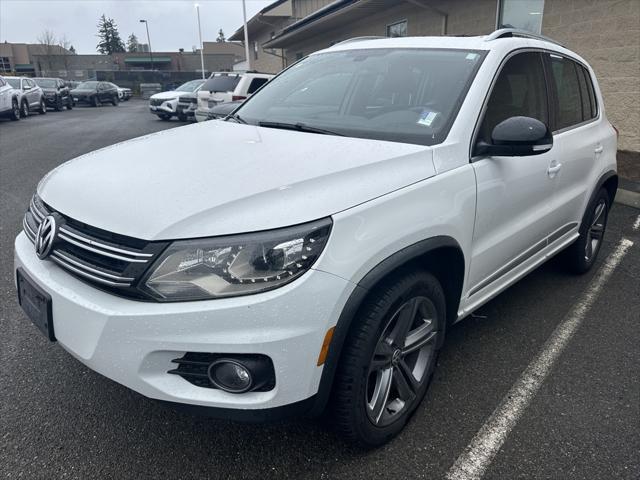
x: 154, y: 102
x: 188, y: 100
x: 108, y: 260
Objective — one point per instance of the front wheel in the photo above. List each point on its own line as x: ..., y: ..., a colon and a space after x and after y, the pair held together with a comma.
x: 94, y: 101
x: 69, y: 103
x: 388, y: 358
x: 164, y: 117
x: 581, y: 255
x: 115, y: 100
x: 15, y: 110
x: 24, y: 109
x: 43, y: 107
x: 58, y: 106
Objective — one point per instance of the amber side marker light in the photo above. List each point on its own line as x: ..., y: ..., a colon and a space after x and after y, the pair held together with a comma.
x: 324, y: 351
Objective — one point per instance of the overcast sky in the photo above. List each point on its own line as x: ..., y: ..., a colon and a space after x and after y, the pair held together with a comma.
x: 172, y: 23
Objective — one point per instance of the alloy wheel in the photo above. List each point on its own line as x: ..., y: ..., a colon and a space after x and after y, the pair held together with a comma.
x: 596, y: 230
x: 401, y: 361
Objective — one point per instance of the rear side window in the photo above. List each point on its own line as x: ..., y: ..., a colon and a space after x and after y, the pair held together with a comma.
x: 222, y: 83
x: 590, y: 107
x: 564, y: 73
x: 520, y: 90
x: 256, y: 83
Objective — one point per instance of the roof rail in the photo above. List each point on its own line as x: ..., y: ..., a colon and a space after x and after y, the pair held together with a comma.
x: 358, y: 39
x: 516, y: 32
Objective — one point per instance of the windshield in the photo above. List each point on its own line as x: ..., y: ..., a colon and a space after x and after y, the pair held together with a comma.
x: 87, y: 86
x: 401, y: 95
x: 221, y: 83
x: 190, y: 86
x: 14, y: 82
x: 46, y: 82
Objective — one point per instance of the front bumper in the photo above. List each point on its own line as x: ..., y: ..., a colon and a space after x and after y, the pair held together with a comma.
x: 50, y: 101
x: 133, y: 342
x: 170, y: 107
x: 187, y: 109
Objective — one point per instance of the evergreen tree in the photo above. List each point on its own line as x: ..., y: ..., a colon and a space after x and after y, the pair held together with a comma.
x: 110, y: 41
x: 132, y: 43
x: 72, y: 50
x: 221, y: 38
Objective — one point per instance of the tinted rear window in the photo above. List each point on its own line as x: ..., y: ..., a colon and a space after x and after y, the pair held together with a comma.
x: 223, y: 83
x: 565, y: 76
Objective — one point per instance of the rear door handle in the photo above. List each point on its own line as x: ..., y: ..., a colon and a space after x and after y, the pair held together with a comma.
x: 599, y: 149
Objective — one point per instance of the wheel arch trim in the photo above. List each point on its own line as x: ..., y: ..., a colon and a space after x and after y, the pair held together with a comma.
x: 358, y: 295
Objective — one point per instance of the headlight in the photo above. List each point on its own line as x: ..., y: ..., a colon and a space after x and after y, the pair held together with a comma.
x: 236, y: 264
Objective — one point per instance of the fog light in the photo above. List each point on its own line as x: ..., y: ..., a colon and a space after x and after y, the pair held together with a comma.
x: 230, y: 376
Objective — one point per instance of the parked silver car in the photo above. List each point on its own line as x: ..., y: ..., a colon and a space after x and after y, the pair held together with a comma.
x: 30, y: 96
x: 9, y: 102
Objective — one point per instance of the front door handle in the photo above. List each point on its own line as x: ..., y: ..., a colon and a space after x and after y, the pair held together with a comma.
x: 599, y: 149
x: 553, y: 169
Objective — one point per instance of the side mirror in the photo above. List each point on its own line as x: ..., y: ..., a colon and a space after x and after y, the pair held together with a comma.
x: 26, y: 87
x: 517, y: 137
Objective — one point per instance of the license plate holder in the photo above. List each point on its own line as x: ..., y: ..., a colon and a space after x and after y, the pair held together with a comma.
x: 36, y: 304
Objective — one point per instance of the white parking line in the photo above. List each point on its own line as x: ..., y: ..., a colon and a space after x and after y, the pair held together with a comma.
x: 473, y: 462
x: 636, y: 224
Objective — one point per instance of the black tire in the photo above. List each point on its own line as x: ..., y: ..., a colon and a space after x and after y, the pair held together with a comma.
x: 24, y: 109
x: 43, y: 107
x: 58, y: 106
x: 580, y: 256
x: 69, y: 103
x: 15, y: 110
x: 358, y: 416
x: 164, y: 117
x: 94, y: 101
x: 115, y: 100
x: 182, y: 117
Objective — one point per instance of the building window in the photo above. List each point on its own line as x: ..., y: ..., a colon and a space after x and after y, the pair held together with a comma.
x: 523, y: 14
x: 398, y: 29
x: 5, y: 64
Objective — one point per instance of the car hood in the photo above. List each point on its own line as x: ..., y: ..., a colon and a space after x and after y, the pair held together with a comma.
x: 217, y: 178
x: 167, y: 95
x: 49, y: 90
x: 83, y: 91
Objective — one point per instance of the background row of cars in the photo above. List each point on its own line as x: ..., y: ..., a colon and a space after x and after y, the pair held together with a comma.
x: 215, y: 97
x: 21, y: 96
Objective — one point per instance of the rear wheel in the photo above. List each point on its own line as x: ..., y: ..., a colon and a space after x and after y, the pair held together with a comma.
x: 24, y: 109
x: 388, y: 358
x: 94, y: 101
x: 582, y: 254
x: 43, y: 107
x: 15, y: 110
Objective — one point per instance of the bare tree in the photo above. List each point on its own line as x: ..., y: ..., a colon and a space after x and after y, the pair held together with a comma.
x: 66, y: 52
x: 47, y: 40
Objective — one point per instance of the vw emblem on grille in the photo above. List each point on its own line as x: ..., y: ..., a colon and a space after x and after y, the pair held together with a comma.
x: 46, y: 236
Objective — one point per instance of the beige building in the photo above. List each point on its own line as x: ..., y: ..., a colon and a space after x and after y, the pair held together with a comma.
x: 605, y: 32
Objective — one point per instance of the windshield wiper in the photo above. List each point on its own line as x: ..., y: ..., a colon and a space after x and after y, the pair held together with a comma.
x: 300, y: 127
x: 235, y: 117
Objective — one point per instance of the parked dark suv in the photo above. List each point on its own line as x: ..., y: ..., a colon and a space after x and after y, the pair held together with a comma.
x: 94, y: 93
x: 56, y: 93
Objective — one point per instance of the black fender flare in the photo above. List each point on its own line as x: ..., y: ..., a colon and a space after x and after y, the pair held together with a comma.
x: 350, y: 309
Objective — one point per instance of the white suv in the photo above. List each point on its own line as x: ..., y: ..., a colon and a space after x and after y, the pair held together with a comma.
x: 367, y: 198
x: 227, y: 87
x: 165, y: 104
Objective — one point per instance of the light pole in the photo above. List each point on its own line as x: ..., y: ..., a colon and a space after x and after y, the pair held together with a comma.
x: 246, y: 35
x: 146, y: 24
x: 201, y: 44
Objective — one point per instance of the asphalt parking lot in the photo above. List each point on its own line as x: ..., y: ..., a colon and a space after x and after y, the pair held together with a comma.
x: 59, y: 419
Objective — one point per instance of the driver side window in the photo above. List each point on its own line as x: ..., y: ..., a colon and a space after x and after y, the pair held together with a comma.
x: 520, y: 90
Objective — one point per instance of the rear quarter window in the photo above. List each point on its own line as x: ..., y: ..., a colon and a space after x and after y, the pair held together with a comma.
x: 564, y: 75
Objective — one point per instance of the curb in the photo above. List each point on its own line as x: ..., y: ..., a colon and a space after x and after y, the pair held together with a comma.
x: 628, y: 198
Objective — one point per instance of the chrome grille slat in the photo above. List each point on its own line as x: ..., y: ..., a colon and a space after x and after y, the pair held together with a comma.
x: 96, y: 250
x: 82, y: 273
x: 58, y: 253
x: 104, y: 246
